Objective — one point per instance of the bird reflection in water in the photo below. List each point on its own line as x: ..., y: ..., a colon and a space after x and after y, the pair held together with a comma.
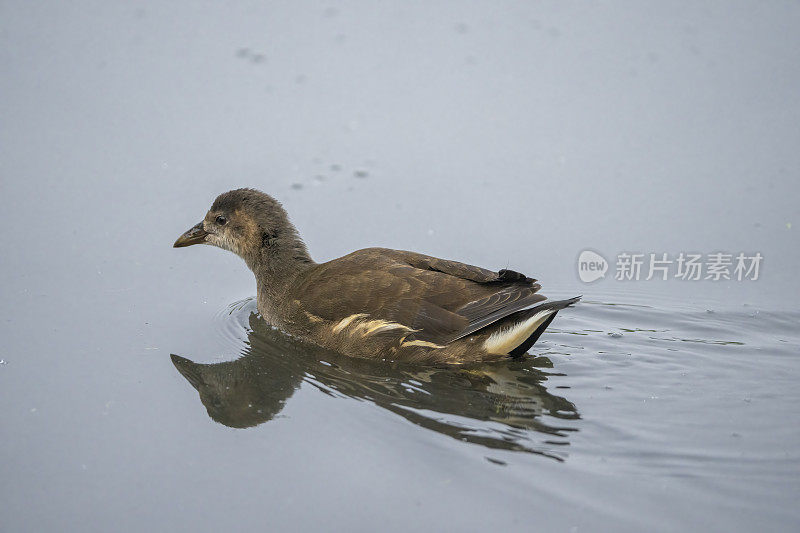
x: 497, y: 405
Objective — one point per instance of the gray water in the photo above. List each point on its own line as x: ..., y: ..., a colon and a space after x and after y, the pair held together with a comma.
x: 139, y: 391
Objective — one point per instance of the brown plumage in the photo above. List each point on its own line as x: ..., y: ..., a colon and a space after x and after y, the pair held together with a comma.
x: 376, y: 303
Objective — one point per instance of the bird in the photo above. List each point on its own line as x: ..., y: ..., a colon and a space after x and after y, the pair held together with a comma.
x: 376, y: 303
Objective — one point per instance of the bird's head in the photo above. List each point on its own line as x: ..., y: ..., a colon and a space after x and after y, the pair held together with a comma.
x: 251, y: 224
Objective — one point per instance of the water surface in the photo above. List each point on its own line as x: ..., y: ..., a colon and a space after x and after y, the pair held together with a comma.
x: 140, y: 391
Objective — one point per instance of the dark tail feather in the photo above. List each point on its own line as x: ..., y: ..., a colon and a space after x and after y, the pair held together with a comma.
x: 530, y: 341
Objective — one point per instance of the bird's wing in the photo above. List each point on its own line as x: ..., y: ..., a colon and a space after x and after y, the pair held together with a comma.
x: 441, y: 300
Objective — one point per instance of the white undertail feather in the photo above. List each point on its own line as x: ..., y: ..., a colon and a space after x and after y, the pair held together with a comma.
x: 503, y: 341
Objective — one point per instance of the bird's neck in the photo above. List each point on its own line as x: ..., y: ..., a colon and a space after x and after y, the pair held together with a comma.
x: 276, y: 265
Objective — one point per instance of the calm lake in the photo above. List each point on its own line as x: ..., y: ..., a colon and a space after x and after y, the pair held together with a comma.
x: 140, y: 390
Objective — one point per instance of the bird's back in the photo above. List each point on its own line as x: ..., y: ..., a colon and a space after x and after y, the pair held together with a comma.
x: 406, y: 300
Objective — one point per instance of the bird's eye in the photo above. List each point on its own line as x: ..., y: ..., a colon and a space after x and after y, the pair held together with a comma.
x: 221, y: 220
